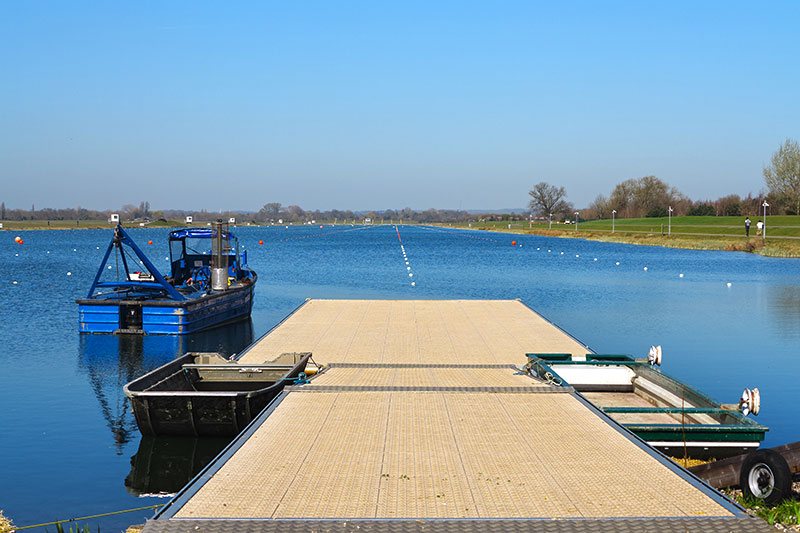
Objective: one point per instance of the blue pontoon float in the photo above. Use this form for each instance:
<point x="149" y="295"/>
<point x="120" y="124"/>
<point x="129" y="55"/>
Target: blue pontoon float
<point x="209" y="285"/>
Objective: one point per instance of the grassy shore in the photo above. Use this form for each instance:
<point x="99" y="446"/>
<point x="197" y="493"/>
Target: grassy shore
<point x="694" y="233"/>
<point x="26" y="225"/>
<point x="5" y="523"/>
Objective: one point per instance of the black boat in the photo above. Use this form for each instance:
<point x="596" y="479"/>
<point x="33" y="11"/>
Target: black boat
<point x="204" y="394"/>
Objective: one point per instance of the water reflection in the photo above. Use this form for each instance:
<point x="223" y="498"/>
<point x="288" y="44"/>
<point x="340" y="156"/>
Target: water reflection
<point x="111" y="361"/>
<point x="783" y="303"/>
<point x="164" y="465"/>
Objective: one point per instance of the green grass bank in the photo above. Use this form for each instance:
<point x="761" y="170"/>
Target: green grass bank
<point x="695" y="233"/>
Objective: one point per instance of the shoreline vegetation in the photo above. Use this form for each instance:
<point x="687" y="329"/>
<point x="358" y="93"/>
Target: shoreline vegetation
<point x="693" y="233"/>
<point x="717" y="233"/>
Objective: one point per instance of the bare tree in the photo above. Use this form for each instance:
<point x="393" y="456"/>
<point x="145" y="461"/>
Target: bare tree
<point x="783" y="173"/>
<point x="645" y="196"/>
<point x="600" y="208"/>
<point x="546" y="199"/>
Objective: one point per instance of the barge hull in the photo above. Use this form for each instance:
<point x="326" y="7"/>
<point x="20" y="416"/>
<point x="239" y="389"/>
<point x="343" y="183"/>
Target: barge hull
<point x="165" y="318"/>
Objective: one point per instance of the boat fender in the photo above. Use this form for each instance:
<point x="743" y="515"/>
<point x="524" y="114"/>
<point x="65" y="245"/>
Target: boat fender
<point x="654" y="355"/>
<point x="750" y="402"/>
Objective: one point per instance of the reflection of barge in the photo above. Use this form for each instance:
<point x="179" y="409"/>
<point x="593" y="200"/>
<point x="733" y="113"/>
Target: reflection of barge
<point x="203" y="394"/>
<point x="668" y="414"/>
<point x="209" y="285"/>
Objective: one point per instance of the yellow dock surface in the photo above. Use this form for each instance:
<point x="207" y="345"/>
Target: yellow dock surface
<point x="421" y="415"/>
<point x="415" y="331"/>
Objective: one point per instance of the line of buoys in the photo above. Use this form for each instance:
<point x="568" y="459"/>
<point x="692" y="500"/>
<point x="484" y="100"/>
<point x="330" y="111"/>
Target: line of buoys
<point x="18" y="240"/>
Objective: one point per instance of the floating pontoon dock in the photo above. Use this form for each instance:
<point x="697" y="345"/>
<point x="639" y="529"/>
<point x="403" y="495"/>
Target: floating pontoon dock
<point x="421" y="423"/>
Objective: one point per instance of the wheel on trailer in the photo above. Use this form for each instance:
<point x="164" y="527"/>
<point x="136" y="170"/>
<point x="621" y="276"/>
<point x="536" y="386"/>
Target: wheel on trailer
<point x="766" y="476"/>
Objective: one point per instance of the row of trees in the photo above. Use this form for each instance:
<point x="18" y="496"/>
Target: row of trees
<point x="272" y="212"/>
<point x="649" y="196"/>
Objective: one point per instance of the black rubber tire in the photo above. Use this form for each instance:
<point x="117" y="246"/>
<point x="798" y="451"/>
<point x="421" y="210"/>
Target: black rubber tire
<point x="766" y="476"/>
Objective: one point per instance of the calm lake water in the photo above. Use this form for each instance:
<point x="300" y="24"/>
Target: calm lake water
<point x="70" y="447"/>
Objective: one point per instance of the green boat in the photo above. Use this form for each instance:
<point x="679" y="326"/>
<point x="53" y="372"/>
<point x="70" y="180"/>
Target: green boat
<point x="670" y="415"/>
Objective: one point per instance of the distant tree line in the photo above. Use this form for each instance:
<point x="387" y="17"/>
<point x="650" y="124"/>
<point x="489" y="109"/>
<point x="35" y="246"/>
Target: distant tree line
<point x="649" y="196"/>
<point x="270" y="213"/>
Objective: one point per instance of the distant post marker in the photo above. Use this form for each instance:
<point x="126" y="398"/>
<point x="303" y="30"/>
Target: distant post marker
<point x="764" y="232"/>
<point x="613" y="212"/>
<point x="669" y="215"/>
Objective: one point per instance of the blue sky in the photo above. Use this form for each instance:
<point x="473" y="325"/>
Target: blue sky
<point x="375" y="105"/>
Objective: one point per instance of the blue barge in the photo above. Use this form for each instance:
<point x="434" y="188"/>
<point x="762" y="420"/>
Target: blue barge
<point x="209" y="285"/>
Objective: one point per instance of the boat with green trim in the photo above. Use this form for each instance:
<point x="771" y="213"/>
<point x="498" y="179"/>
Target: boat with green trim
<point x="670" y="415"/>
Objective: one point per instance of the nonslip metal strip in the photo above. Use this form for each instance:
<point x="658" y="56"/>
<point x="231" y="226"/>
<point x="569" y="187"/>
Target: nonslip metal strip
<point x="344" y="525"/>
<point x="391" y="388"/>
<point x="417" y="365"/>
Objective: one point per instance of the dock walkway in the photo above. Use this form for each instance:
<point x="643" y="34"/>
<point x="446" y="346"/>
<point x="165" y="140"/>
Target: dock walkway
<point x="420" y="422"/>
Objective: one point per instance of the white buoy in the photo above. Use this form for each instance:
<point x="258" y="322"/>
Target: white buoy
<point x="538" y="248"/>
<point x="109" y="267"/>
<point x="48" y="251"/>
<point x="408" y="268"/>
<point x="548" y="251"/>
<point x="577" y="255"/>
<point x="69" y="273"/>
<point x="617" y="263"/>
<point x="98" y="247"/>
<point x="410" y="275"/>
<point x="16" y="255"/>
<point x="595" y="259"/>
<point x="645" y="268"/>
<point x="14" y="282"/>
<point x="74" y="249"/>
<point x="413" y="283"/>
<point x="680" y="275"/>
<point x="729" y="284"/>
<point x="562" y="253"/>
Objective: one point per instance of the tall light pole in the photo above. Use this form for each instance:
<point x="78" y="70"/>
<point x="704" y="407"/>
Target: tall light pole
<point x="764" y="231"/>
<point x="551" y="221"/>
<point x="669" y="221"/>
<point x="613" y="212"/>
<point x="576" y="220"/>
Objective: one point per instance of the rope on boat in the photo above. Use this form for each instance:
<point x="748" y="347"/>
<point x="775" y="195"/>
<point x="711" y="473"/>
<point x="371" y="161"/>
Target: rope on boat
<point x="546" y="375"/>
<point x="14" y="528"/>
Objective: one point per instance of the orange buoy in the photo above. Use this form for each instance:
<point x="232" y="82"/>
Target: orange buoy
<point x="260" y="242"/>
<point x="17" y="239"/>
<point x="21" y="241"/>
<point x="320" y="227"/>
<point x="513" y="243"/>
<point x="149" y="242"/>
